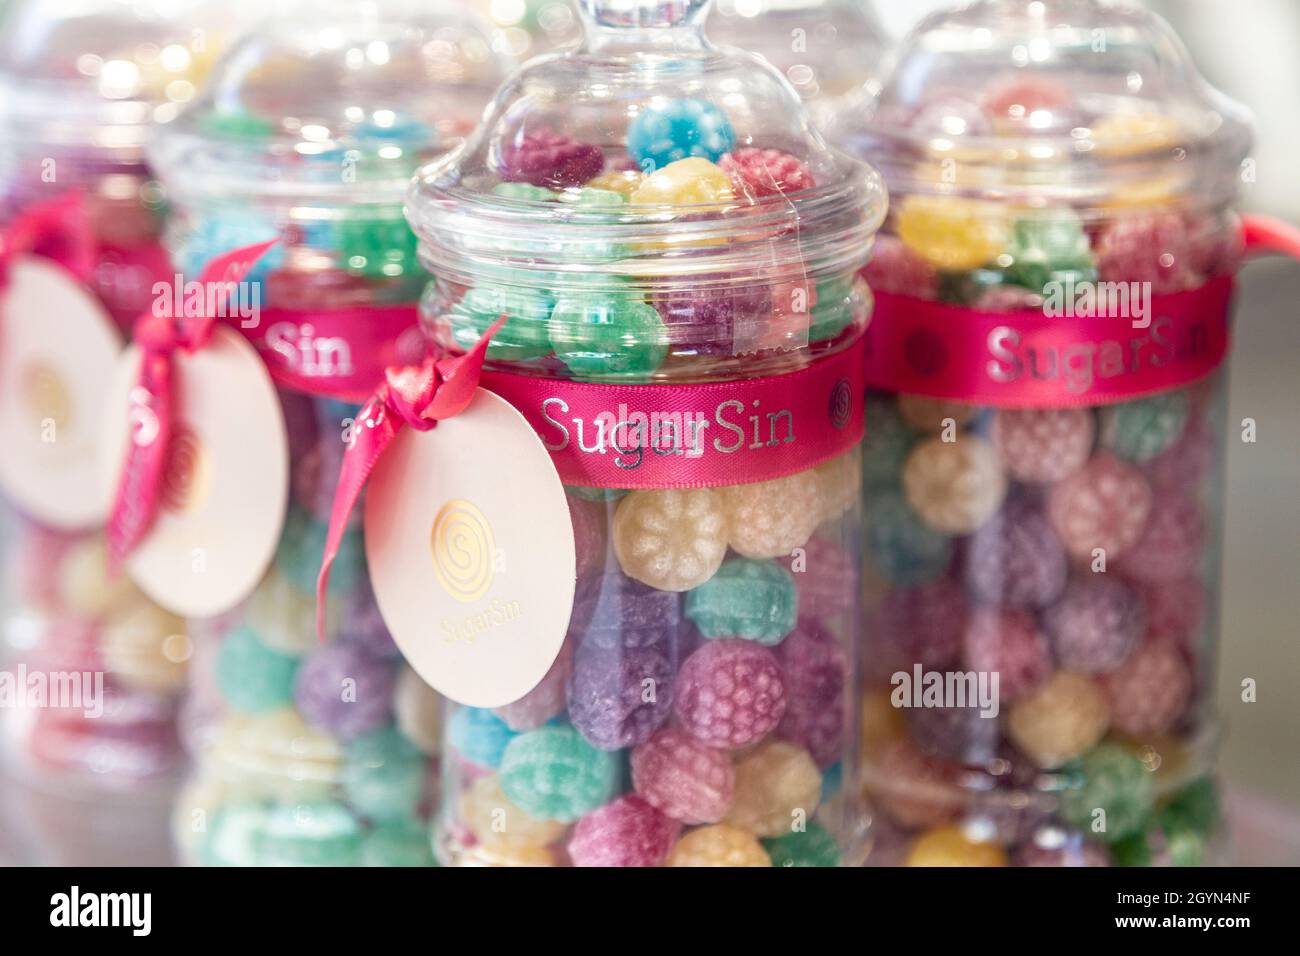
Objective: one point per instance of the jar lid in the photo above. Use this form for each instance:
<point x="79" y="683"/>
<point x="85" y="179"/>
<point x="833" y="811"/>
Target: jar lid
<point x="96" y="76"/>
<point x="644" y="154"/>
<point x="1054" y="100"/>
<point x="335" y="100"/>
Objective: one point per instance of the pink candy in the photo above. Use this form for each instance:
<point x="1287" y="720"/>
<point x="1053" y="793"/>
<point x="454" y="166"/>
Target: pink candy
<point x="730" y="693"/>
<point x="627" y="832"/>
<point x="1102" y="505"/>
<point x="1150" y="691"/>
<point x="1171" y="544"/>
<point x="1010" y="644"/>
<point x="765" y="172"/>
<point x="683" y="778"/>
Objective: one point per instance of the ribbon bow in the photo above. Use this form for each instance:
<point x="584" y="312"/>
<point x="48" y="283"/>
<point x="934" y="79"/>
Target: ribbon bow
<point x="416" y="395"/>
<point x="58" y="228"/>
<point x="160" y="335"/>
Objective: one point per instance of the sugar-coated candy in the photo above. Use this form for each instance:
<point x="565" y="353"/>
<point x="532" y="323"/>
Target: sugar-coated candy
<point x="497" y="822"/>
<point x="1095" y="625"/>
<point x="766" y="172"/>
<point x="1197" y="805"/>
<point x="1188" y="461"/>
<point x="1027" y="99"/>
<point x="841" y="481"/>
<point x="553" y="773"/>
<point x="682" y="777"/>
<point x="718" y="845"/>
<point x="1141" y="429"/>
<point x="1110" y="778"/>
<point x="923" y="624"/>
<point x="1149" y="691"/>
<point x="399" y="843"/>
<point x="687" y="182"/>
<point x="527" y="309"/>
<point x="839" y="302"/>
<point x="479" y="736"/>
<point x="954" y="486"/>
<point x="144" y="648"/>
<point x="825" y="577"/>
<point x="778" y="787"/>
<point x="954" y="846"/>
<point x="235" y="834"/>
<point x="884" y="447"/>
<point x="589" y="534"/>
<point x="1172" y="542"/>
<point x="219" y="232"/>
<point x="621" y="181"/>
<point x="383" y="775"/>
<point x="1150" y="248"/>
<point x="319" y="833"/>
<point x="952" y="234"/>
<point x="1017" y="559"/>
<point x="897" y="269"/>
<point x="1046" y="248"/>
<point x="815" y="669"/>
<point x="280" y="614"/>
<point x="913" y="789"/>
<point x="345" y="690"/>
<point x="672" y="539"/>
<point x="298" y="556"/>
<point x="545" y="701"/>
<point x="882" y="722"/>
<point x="543" y="157"/>
<point x="963" y="734"/>
<point x="1175" y="612"/>
<point x="1007" y="298"/>
<point x="618" y="698"/>
<point x="361" y="625"/>
<point x="1010" y="644"/>
<point x="280" y="752"/>
<point x="1162" y="842"/>
<point x="904" y="549"/>
<point x="713" y="318"/>
<point x="1059" y="720"/>
<point x="755" y="600"/>
<point x="812" y="846"/>
<point x="416" y="707"/>
<point x="930" y="416"/>
<point x="1054" y="846"/>
<point x="525" y="192"/>
<point x="253" y="677"/>
<point x="376" y="247"/>
<point x="667" y="131"/>
<point x="1044" y="445"/>
<point x="507" y="856"/>
<point x="616" y="612"/>
<point x="607" y="336"/>
<point x="1102" y="505"/>
<point x="948" y="113"/>
<point x="626" y="832"/>
<point x="730" y="693"/>
<point x="769" y="519"/>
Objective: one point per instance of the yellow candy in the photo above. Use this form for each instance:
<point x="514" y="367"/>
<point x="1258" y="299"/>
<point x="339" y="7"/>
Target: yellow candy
<point x="1060" y="720"/>
<point x="927" y="414"/>
<point x="718" y="845"/>
<point x="277" y="753"/>
<point x="623" y="181"/>
<point x="85" y="585"/>
<point x="881" y="722"/>
<point x="953" y="234"/>
<point x="841" y="479"/>
<point x="777" y="786"/>
<point x="499" y="824"/>
<point x="507" y="856"/>
<point x="418" y="711"/>
<point x="953" y="846"/>
<point x="146" y="648"/>
<point x="284" y="616"/>
<point x="954" y="486"/>
<point x="687" y="182"/>
<point x="1128" y="134"/>
<point x="671" y="539"/>
<point x="769" y="519"/>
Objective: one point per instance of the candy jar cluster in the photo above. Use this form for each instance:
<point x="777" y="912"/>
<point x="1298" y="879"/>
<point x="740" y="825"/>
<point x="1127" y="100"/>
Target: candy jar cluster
<point x="651" y="212"/>
<point x="83" y="89"/>
<point x="307" y="751"/>
<point x="1045" y="448"/>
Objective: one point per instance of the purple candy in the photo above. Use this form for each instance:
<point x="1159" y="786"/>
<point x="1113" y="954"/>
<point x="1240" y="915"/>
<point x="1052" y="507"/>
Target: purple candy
<point x="961" y="734"/>
<point x="345" y="691"/>
<point x="730" y="693"/>
<point x="619" y="698"/>
<point x="363" y="627"/>
<point x="923" y="624"/>
<point x="1095" y="625"/>
<point x="588" y="519"/>
<point x="814" y="669"/>
<point x="1016" y="560"/>
<point x="546" y="158"/>
<point x="618" y="612"/>
<point x="710" y="321"/>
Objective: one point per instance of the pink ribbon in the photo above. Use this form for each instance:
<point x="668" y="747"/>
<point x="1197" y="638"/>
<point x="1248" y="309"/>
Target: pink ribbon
<point x="151" y="401"/>
<point x="57" y="228"/>
<point x="1263" y="234"/>
<point x="416" y="395"/>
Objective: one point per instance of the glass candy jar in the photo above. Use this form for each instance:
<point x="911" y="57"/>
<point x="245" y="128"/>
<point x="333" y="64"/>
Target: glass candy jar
<point x="314" y="752"/>
<point x="1043" y="490"/>
<point x="662" y="227"/>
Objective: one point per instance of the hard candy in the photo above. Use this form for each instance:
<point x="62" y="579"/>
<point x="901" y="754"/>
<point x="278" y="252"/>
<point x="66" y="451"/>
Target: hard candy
<point x="930" y="416"/>
<point x="383" y="775"/>
<point x="319" y="833"/>
<point x="479" y="736"/>
<point x="952" y="234"/>
<point x="617" y="612"/>
<point x="416" y="708"/>
<point x="963" y="734"/>
<point x="755" y="600"/>
<point x="302" y="543"/>
<point x="1102" y="505"/>
<point x="884" y="447"/>
<point x="527" y="309"/>
<point x="1141" y="429"/>
<point x="1041" y="446"/>
<point x="589" y="534"/>
<point x="1095" y="625"/>
<point x="1057" y="847"/>
<point x="730" y="694"/>
<point x="496" y="822"/>
<point x="687" y="182"/>
<point x="553" y="773"/>
<point x="1017" y="559"/>
<point x="235" y="835"/>
<point x="626" y="832"/>
<point x="896" y="268"/>
<point x="1010" y="644"/>
<point x="671" y="539"/>
<point x="1147" y="248"/>
<point x="1149" y="691"/>
<point x="1172" y="544"/>
<point x="668" y="131"/>
<point x="769" y="519"/>
<point x="544" y="702"/>
<point x="759" y="173"/>
<point x="684" y="778"/>
<point x="814" y="667"/>
<point x="954" y="486"/>
<point x="403" y="843"/>
<point x="1059" y="720"/>
<point x="251" y="676"/>
<point x="813" y="846"/>
<point x="923" y="624"/>
<point x="826" y="578"/>
<point x="618" y="699"/>
<point x="1112" y="779"/>
<point x="954" y="846"/>
<point x="607" y="337"/>
<point x="543" y="157"/>
<point x="713" y="318"/>
<point x="145" y="649"/>
<point x="1049" y="248"/>
<point x="841" y="480"/>
<point x="778" y="788"/>
<point x="718" y="845"/>
<point x="345" y="690"/>
<point x="904" y="550"/>
<point x="913" y="789"/>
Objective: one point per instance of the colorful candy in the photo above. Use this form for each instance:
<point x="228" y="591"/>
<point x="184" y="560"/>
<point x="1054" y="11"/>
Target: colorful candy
<point x="1140" y="430"/>
<point x="673" y="540"/>
<point x="813" y="846"/>
<point x="755" y="600"/>
<point x="682" y="777"/>
<point x="1016" y="560"/>
<point x="730" y="694"/>
<point x="543" y="157"/>
<point x="665" y="132"/>
<point x="554" y="774"/>
<point x="954" y="846"/>
<point x="769" y="519"/>
<point x="345" y="690"/>
<point x="955" y="486"/>
<point x="778" y="787"/>
<point x="1060" y="720"/>
<point x="1113" y="796"/>
<point x="766" y="172"/>
<point x="718" y="845"/>
<point x="1149" y="691"/>
<point x="1095" y="625"/>
<point x="252" y="676"/>
<point x="1042" y="446"/>
<point x="626" y="832"/>
<point x="1104" y="505"/>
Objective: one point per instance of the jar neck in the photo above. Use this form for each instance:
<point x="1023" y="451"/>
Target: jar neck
<point x="646" y="26"/>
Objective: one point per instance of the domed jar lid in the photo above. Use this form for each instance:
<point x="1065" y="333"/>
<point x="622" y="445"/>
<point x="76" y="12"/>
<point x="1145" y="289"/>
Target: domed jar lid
<point x="1077" y="101"/>
<point x="332" y="102"/>
<point x="95" y="76"/>
<point x="643" y="206"/>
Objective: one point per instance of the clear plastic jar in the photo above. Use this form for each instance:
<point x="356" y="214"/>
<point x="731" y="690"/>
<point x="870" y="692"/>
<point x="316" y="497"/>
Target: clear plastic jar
<point x="649" y="210"/>
<point x="81" y="89"/>
<point x="309" y="132"/>
<point x="1045" y="452"/>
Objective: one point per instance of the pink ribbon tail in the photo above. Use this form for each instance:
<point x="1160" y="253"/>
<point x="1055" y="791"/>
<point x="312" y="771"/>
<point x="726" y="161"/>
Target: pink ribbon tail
<point x="419" y="396"/>
<point x="1264" y="234"/>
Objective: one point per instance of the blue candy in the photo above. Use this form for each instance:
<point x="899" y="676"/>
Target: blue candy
<point x="252" y="677"/>
<point x="664" y="132"/>
<point x="223" y="231"/>
<point x="383" y="775"/>
<point x="904" y="549"/>
<point x="479" y="735"/>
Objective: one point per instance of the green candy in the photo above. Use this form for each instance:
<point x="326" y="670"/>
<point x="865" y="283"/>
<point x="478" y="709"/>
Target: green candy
<point x="524" y="192"/>
<point x="1197" y="805"/>
<point x="884" y="447"/>
<point x="523" y="337"/>
<point x="903" y="548"/>
<point x="302" y="543"/>
<point x="752" y="599"/>
<point x="1049" y="249"/>
<point x="1165" y="842"/>
<point x="405" y="843"/>
<point x="383" y="775"/>
<point x="1142" y="429"/>
<point x="234" y="835"/>
<point x="967" y="288"/>
<point x="607" y="337"/>
<point x="813" y="847"/>
<point x="236" y="124"/>
<point x="252" y="677"/>
<point x="597" y="198"/>
<point x="377" y="248"/>
<point x="316" y="833"/>
<point x="553" y="774"/>
<point x="1110" y="778"/>
<point x="836" y="305"/>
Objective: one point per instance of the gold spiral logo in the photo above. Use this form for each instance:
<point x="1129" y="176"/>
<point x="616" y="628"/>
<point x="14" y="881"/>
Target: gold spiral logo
<point x="45" y="394"/>
<point x="184" y="476"/>
<point x="463" y="550"/>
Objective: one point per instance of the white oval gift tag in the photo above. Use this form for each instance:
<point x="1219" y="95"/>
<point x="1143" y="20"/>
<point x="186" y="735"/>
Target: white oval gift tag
<point x="226" y="484"/>
<point x="58" y="350"/>
<point x="471" y="553"/>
